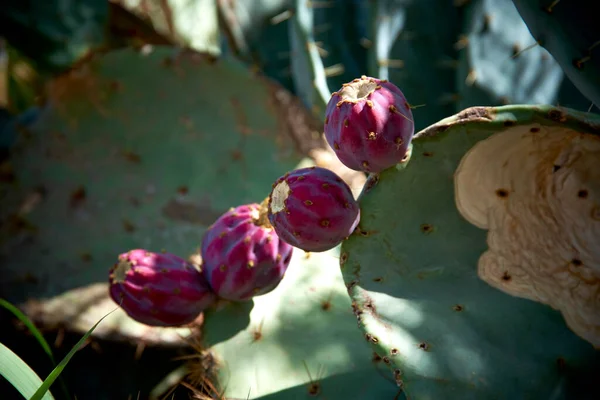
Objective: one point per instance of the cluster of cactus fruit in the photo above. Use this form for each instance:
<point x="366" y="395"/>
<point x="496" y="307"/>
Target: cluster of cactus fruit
<point x="247" y="250"/>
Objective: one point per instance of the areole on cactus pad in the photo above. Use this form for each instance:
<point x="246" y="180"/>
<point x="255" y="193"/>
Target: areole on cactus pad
<point x="495" y="207"/>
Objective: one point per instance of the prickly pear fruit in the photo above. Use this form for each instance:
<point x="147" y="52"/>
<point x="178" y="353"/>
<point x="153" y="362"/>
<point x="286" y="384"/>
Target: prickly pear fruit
<point x="369" y="124"/>
<point x="242" y="255"/>
<point x="313" y="209"/>
<point x="159" y="289"/>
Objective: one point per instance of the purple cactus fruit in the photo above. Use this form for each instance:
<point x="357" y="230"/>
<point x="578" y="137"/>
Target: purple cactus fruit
<point x="313" y="209"/>
<point x="242" y="255"/>
<point x="159" y="289"/>
<point x="369" y="124"/>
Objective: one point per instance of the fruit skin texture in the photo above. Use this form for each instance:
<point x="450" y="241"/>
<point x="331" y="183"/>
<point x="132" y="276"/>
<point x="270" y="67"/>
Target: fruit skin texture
<point x="242" y="255"/>
<point x="369" y="124"/>
<point x="313" y="209"/>
<point x="159" y="289"/>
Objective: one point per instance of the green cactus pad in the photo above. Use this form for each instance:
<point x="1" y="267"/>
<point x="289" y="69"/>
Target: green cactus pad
<point x="301" y="341"/>
<point x="500" y="63"/>
<point x="569" y="30"/>
<point x="54" y="33"/>
<point x="412" y="268"/>
<point x="139" y="150"/>
<point x="191" y="24"/>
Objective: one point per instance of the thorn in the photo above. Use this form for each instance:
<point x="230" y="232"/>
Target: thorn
<point x="591" y="106"/>
<point x="594" y="45"/>
<point x="322" y="52"/>
<point x="531" y="46"/>
<point x="463" y="41"/>
<point x="366" y="43"/>
<point x="279" y="18"/>
<point x="471" y="77"/>
<point x="391" y="63"/>
<point x="139" y="350"/>
<point x="550" y="8"/>
<point x="578" y="63"/>
<point x="334" y="70"/>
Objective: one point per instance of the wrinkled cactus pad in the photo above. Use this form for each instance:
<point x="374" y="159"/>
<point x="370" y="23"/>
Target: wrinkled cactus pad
<point x="312" y="209"/>
<point x="242" y="255"/>
<point x="159" y="289"/>
<point x="484" y="283"/>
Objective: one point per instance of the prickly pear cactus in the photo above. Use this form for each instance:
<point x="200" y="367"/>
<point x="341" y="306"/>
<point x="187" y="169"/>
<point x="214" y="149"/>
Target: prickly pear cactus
<point x="178" y="20"/>
<point x="480" y="54"/>
<point x="299" y="342"/>
<point x="54" y="33"/>
<point x="569" y="31"/>
<point x="138" y="150"/>
<point x="475" y="266"/>
<point x="499" y="61"/>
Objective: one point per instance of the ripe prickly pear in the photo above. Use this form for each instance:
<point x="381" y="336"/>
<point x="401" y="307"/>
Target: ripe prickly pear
<point x="159" y="289"/>
<point x="369" y="124"/>
<point x="243" y="256"/>
<point x="313" y="209"/>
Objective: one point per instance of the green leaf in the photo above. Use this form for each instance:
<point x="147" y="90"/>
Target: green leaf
<point x="19" y="374"/>
<point x="41" y="392"/>
<point x="54" y="33"/>
<point x="27" y="322"/>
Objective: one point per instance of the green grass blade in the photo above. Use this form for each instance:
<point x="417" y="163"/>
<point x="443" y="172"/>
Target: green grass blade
<point x="20" y="375"/>
<point x="39" y="394"/>
<point x="27" y="322"/>
<point x="37" y="334"/>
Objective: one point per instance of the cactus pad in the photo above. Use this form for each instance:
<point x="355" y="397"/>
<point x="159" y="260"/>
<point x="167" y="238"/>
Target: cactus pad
<point x="496" y="207"/>
<point x="138" y="150"/>
<point x="301" y="341"/>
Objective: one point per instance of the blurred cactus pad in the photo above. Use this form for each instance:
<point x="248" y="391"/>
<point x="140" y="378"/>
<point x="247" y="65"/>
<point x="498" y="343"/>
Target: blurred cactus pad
<point x="139" y="149"/>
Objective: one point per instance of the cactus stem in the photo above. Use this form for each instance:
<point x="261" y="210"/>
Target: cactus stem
<point x="262" y="216"/>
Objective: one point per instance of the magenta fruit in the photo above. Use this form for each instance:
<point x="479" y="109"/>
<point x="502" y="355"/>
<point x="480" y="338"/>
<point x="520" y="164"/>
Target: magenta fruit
<point x="369" y="124"/>
<point x="243" y="256"/>
<point x="159" y="289"/>
<point x="313" y="209"/>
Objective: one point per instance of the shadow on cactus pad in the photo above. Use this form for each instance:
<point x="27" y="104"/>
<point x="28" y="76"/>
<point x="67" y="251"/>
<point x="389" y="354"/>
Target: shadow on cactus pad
<point x="301" y="342"/>
<point x="139" y="149"/>
<point x="495" y="208"/>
